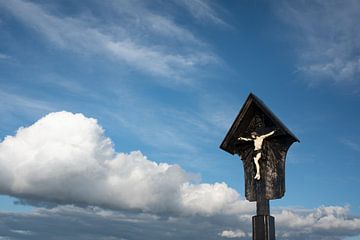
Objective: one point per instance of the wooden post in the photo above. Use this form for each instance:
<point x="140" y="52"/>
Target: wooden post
<point x="263" y="224"/>
<point x="263" y="227"/>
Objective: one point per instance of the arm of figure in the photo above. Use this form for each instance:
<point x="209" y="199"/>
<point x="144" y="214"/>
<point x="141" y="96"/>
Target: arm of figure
<point x="244" y="139"/>
<point x="269" y="134"/>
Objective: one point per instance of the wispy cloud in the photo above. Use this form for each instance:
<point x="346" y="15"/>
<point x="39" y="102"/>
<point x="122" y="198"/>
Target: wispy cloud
<point x="351" y="144"/>
<point x="66" y="85"/>
<point x="14" y="102"/>
<point x="134" y="36"/>
<point x="22" y="232"/>
<point x="4" y="56"/>
<point x="173" y="130"/>
<point x="15" y="106"/>
<point x="203" y="11"/>
<point x="326" y="38"/>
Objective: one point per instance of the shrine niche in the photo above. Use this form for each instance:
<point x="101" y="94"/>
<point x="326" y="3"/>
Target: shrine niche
<point x="262" y="141"/>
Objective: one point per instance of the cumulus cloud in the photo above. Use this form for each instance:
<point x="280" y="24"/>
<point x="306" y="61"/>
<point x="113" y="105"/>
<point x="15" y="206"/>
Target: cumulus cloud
<point x="327" y="39"/>
<point x="331" y="222"/>
<point x="66" y="158"/>
<point x="208" y="199"/>
<point x="131" y="34"/>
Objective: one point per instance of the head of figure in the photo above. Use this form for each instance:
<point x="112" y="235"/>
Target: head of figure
<point x="254" y="135"/>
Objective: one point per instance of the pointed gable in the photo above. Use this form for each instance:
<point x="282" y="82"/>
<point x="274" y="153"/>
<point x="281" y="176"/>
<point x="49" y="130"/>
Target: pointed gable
<point x="246" y="121"/>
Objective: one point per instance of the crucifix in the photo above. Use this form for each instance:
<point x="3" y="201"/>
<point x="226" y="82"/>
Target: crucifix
<point x="262" y="141"/>
<point x="258" y="141"/>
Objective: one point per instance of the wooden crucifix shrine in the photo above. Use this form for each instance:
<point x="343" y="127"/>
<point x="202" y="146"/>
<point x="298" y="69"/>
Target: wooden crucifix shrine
<point x="262" y="141"/>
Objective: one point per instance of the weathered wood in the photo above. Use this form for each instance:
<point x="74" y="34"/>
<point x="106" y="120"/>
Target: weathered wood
<point x="254" y="116"/>
<point x="263" y="227"/>
<point x="262" y="141"/>
<point x="262" y="204"/>
<point x="240" y="126"/>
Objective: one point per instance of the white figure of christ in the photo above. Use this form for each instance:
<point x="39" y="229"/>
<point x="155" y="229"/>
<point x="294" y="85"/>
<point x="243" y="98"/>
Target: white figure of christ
<point x="258" y="141"/>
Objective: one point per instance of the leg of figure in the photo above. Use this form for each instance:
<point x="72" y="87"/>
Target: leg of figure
<point x="256" y="161"/>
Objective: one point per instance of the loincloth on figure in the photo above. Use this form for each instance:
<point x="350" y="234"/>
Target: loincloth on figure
<point x="255" y="152"/>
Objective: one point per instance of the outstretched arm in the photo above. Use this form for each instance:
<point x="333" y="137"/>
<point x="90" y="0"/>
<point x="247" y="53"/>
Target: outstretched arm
<point x="268" y="134"/>
<point x="245" y="139"/>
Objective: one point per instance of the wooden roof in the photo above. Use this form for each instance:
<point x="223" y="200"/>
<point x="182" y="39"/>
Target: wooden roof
<point x="239" y="127"/>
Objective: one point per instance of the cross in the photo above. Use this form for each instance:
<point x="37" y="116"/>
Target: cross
<point x="258" y="141"/>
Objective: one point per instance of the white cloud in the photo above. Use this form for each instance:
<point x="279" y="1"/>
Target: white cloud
<point x="135" y="36"/>
<point x="233" y="234"/>
<point x="65" y="158"/>
<point x="143" y="20"/>
<point x="22" y="232"/>
<point x="327" y="39"/>
<point x="203" y="11"/>
<point x="331" y="222"/>
<point x="324" y="223"/>
<point x="206" y="199"/>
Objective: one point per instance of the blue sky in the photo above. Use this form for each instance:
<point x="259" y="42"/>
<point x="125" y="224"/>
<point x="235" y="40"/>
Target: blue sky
<point x="167" y="79"/>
